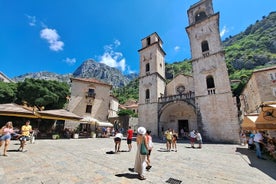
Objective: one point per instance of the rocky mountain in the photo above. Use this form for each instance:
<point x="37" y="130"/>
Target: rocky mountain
<point x="44" y="75"/>
<point x="102" y="72"/>
<point x="88" y="69"/>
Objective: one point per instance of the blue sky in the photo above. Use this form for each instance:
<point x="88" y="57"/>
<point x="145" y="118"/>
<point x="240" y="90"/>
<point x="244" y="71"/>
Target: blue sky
<point x="59" y="35"/>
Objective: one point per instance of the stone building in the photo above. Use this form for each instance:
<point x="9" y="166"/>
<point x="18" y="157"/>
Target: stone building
<point x="202" y="101"/>
<point x="261" y="87"/>
<point x="92" y="98"/>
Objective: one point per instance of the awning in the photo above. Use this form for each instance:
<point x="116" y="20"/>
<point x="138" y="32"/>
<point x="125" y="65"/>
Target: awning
<point x="58" y="114"/>
<point x="12" y="109"/>
<point x="249" y="122"/>
<point x="104" y="124"/>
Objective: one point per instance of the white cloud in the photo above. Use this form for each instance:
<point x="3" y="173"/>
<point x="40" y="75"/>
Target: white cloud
<point x="32" y="20"/>
<point x="70" y="61"/>
<point x="130" y="71"/>
<point x="176" y="48"/>
<point x="223" y="31"/>
<point x="112" y="58"/>
<point x="52" y="38"/>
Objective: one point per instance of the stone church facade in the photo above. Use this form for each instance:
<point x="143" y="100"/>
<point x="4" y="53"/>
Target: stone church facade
<point x="202" y="101"/>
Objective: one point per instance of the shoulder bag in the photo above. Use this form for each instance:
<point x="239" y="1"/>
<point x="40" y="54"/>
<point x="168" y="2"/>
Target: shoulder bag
<point x="143" y="149"/>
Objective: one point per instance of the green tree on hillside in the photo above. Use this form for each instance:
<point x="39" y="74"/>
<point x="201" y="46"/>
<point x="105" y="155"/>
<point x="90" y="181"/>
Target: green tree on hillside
<point x="50" y="94"/>
<point x="7" y="92"/>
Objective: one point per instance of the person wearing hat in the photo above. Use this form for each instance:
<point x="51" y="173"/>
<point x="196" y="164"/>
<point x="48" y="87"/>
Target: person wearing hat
<point x="140" y="160"/>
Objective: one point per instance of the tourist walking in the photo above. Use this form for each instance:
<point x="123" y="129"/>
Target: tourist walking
<point x="6" y="132"/>
<point x="168" y="136"/>
<point x="150" y="146"/>
<point x="129" y="138"/>
<point x="199" y="139"/>
<point x="258" y="140"/>
<point x="192" y="138"/>
<point x="140" y="160"/>
<point x="174" y="141"/>
<point x="25" y="132"/>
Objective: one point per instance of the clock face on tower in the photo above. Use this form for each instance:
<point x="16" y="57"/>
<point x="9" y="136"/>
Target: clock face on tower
<point x="180" y="89"/>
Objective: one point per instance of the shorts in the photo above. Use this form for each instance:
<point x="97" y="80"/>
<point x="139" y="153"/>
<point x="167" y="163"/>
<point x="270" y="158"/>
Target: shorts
<point x="5" y="137"/>
<point x="117" y="139"/>
<point x="192" y="139"/>
<point x="199" y="141"/>
<point x="149" y="151"/>
<point x="24" y="138"/>
<point x="129" y="141"/>
<point x="169" y="141"/>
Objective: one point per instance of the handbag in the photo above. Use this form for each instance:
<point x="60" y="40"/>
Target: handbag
<point x="143" y="149"/>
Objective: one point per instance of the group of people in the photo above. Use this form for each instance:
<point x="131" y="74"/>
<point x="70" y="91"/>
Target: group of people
<point x="260" y="142"/>
<point x="171" y="140"/>
<point x="7" y="132"/>
<point x="195" y="136"/>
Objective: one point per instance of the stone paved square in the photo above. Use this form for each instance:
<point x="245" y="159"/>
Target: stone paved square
<point x="84" y="161"/>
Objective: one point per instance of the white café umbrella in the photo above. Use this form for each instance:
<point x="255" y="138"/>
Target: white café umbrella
<point x="89" y="120"/>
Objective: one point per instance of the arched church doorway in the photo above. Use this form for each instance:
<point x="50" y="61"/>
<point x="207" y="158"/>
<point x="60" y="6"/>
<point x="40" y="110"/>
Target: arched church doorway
<point x="177" y="115"/>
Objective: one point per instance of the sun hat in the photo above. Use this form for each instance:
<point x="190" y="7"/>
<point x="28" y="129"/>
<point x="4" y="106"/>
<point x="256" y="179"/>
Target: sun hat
<point x="141" y="130"/>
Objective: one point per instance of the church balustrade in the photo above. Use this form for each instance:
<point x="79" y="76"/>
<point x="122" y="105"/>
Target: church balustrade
<point x="178" y="97"/>
<point x="211" y="91"/>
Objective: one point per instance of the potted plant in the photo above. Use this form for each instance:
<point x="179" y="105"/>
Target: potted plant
<point x="76" y="132"/>
<point x="55" y="136"/>
<point x="93" y="135"/>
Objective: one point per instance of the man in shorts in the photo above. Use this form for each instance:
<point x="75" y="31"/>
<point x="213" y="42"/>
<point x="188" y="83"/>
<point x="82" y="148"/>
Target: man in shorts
<point x="25" y="132"/>
<point x="129" y="138"/>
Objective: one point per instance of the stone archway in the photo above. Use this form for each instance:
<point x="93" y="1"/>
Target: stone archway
<point x="176" y="114"/>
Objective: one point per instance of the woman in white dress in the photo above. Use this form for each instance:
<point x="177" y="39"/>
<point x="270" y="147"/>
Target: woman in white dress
<point x="140" y="160"/>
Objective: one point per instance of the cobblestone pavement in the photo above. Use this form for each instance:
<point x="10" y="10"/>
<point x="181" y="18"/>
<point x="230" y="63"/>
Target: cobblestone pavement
<point x="84" y="161"/>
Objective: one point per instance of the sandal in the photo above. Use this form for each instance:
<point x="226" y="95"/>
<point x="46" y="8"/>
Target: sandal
<point x="141" y="177"/>
<point x="148" y="167"/>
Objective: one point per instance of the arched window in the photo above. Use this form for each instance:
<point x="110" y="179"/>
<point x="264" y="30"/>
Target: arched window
<point x="200" y="16"/>
<point x="147" y="100"/>
<point x="210" y="85"/>
<point x="147" y="67"/>
<point x="147" y="93"/>
<point x="210" y="82"/>
<point x="204" y="46"/>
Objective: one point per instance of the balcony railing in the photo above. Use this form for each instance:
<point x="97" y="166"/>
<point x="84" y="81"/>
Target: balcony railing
<point x="211" y="91"/>
<point x="183" y="96"/>
<point x="90" y="95"/>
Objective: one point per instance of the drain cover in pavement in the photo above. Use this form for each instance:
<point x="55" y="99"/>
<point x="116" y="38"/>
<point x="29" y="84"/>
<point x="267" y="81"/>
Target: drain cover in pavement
<point x="173" y="181"/>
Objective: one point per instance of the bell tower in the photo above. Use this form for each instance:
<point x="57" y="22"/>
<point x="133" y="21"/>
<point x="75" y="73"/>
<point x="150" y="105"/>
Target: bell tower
<point x="213" y="95"/>
<point x="151" y="81"/>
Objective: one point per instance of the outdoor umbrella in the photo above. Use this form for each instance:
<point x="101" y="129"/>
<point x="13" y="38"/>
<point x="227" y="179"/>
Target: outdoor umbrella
<point x="267" y="117"/>
<point x="248" y="122"/>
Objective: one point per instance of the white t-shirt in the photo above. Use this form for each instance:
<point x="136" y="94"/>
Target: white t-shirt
<point x="119" y="135"/>
<point x="198" y="136"/>
<point x="258" y="137"/>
